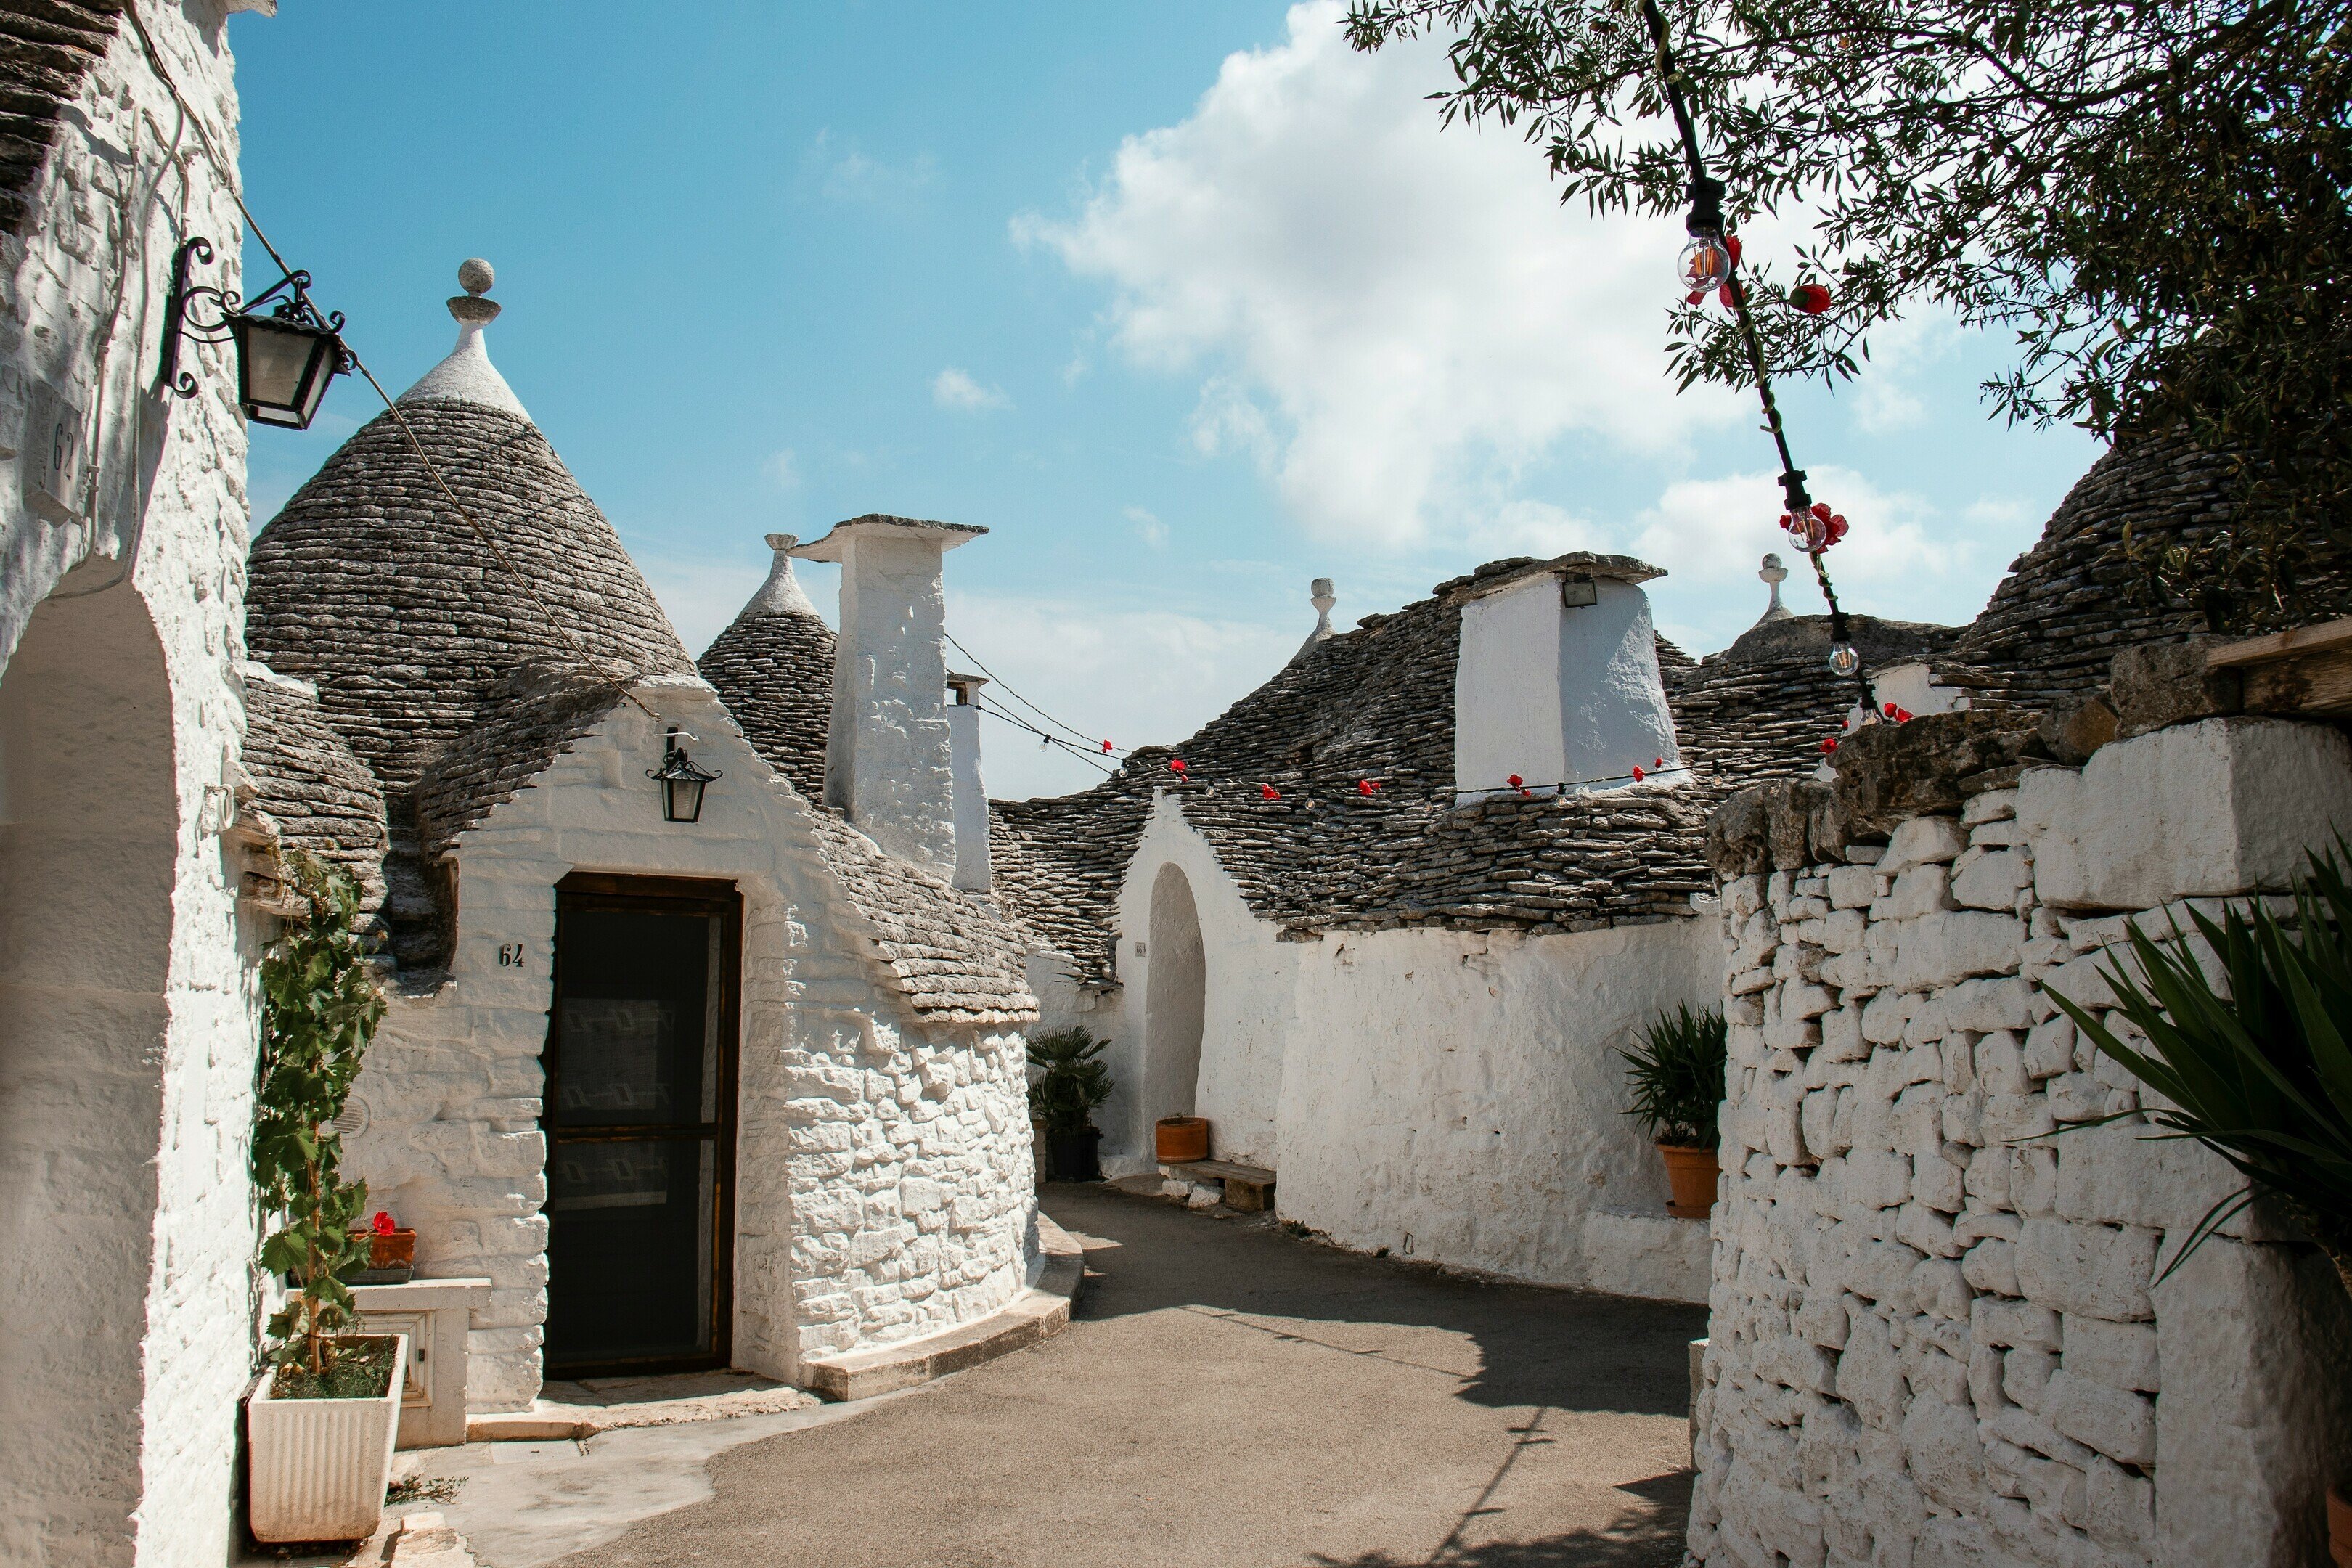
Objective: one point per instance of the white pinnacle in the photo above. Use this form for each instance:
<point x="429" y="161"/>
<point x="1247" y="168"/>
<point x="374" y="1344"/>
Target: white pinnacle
<point x="468" y="375"/>
<point x="781" y="594"/>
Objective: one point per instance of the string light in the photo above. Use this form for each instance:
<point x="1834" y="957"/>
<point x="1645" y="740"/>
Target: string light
<point x="1709" y="243"/>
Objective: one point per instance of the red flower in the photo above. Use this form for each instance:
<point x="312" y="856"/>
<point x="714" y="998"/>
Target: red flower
<point x="1176" y="764"/>
<point x="1829" y="744"/>
<point x="1724" y="296"/>
<point x="1365" y="786"/>
<point x="1694" y="296"/>
<point x="382" y="1225"/>
<point x="1809" y="298"/>
<point x="1514" y="781"/>
<point x="1890" y="711"/>
<point x="1106" y="748"/>
<point x="1731" y="247"/>
<point x="1657" y="762"/>
<point x="1837" y="528"/>
<point x="1269" y="792"/>
<point x="1903" y="715"/>
<point x="1637" y="772"/>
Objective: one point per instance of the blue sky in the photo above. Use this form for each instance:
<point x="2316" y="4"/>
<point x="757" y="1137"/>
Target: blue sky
<point x="1186" y="303"/>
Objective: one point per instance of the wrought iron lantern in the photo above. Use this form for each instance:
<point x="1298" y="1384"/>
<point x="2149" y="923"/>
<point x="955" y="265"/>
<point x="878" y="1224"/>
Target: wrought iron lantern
<point x="682" y="781"/>
<point x="284" y="358"/>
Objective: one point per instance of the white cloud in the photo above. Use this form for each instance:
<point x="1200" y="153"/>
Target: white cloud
<point x="1147" y="527"/>
<point x="783" y="470"/>
<point x="841" y="172"/>
<point x="1387" y="316"/>
<point x="1900" y="559"/>
<point x="951" y="388"/>
<point x="1131" y="675"/>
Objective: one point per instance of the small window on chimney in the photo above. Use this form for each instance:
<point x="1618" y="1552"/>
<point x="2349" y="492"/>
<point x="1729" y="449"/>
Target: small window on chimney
<point x="1578" y="593"/>
<point x="961" y="694"/>
<point x="1139" y="950"/>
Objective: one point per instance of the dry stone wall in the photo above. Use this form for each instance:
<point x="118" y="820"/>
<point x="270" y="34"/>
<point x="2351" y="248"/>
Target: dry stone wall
<point x="1938" y="1336"/>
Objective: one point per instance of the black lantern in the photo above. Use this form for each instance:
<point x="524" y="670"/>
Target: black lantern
<point x="284" y="359"/>
<point x="682" y="782"/>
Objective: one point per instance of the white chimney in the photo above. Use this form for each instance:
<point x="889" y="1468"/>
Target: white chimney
<point x="973" y="870"/>
<point x="1558" y="681"/>
<point x="1319" y="595"/>
<point x="888" y="756"/>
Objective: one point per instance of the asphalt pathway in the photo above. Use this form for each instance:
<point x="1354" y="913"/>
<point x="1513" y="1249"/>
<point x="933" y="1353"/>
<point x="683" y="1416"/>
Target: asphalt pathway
<point x="1232" y="1396"/>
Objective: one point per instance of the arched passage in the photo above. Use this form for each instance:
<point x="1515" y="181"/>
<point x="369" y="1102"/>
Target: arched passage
<point x="88" y="828"/>
<point x="1175" y="999"/>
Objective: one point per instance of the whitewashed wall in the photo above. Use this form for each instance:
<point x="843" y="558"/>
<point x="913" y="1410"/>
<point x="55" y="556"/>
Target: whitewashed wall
<point x="883" y="1170"/>
<point x="1936" y="1339"/>
<point x="1245" y="1023"/>
<point x="127" y="1012"/>
<point x="1452" y="1096"/>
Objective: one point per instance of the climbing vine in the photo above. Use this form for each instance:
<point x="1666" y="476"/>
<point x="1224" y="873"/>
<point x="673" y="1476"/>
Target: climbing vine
<point x="320" y="1007"/>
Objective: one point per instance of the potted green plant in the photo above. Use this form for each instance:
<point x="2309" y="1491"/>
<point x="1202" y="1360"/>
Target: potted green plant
<point x="1062" y="1101"/>
<point x="1676" y="1074"/>
<point x="320" y="1425"/>
<point x="2258" y="1070"/>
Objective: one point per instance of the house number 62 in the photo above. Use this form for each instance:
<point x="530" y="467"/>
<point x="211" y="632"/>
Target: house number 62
<point x="510" y="955"/>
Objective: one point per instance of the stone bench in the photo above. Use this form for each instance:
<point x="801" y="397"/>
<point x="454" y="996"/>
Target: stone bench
<point x="1248" y="1188"/>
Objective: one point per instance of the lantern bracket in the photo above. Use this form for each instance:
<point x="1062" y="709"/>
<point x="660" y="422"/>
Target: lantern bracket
<point x="186" y="314"/>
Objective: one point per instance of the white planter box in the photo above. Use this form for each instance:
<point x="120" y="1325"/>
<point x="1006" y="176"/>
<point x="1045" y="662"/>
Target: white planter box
<point x="316" y="1469"/>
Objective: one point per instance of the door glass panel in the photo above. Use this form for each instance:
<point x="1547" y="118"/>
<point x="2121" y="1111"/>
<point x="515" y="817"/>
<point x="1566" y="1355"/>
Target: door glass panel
<point x="636" y="1081"/>
<point x="629" y="1245"/>
<point x="637" y="1020"/>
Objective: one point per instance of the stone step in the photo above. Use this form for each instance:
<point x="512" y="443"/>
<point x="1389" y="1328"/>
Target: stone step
<point x="1248" y="1188"/>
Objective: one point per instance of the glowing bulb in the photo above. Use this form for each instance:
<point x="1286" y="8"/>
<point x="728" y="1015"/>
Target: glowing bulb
<point x="1843" y="659"/>
<point x="1706" y="265"/>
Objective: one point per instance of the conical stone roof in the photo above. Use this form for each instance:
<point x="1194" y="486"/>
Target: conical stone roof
<point x="370" y="585"/>
<point x="774" y="667"/>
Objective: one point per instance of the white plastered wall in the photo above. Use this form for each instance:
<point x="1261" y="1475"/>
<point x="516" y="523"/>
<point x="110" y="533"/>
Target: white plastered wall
<point x="1452" y="1096"/>
<point x="883" y="1167"/>
<point x="127" y="1011"/>
<point x="1244" y="1022"/>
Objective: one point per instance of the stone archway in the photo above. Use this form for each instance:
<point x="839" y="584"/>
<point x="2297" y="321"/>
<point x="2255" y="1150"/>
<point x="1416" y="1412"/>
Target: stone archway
<point x="89" y="831"/>
<point x="1175" y="999"/>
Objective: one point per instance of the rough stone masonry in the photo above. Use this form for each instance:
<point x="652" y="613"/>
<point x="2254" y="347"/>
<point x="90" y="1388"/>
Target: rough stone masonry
<point x="1938" y="1332"/>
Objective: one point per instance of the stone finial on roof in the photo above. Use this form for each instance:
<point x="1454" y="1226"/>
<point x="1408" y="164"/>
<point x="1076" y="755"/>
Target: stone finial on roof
<point x="1322" y="598"/>
<point x="468" y="375"/>
<point x="1773" y="575"/>
<point x="782" y="594"/>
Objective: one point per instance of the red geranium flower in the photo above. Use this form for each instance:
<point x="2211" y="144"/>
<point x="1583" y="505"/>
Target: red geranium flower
<point x="1829" y="744"/>
<point x="1268" y="791"/>
<point x="1809" y="298"/>
<point x="1175" y="764"/>
<point x="1365" y="786"/>
<point x="382" y="1225"/>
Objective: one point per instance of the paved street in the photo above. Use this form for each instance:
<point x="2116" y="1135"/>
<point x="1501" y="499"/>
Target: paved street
<point x="1232" y="1396"/>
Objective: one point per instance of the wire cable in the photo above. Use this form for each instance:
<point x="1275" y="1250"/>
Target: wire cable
<point x="1068" y="729"/>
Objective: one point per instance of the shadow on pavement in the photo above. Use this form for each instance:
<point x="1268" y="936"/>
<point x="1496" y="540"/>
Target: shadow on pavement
<point x="1537" y="1345"/>
<point x="1640" y="1537"/>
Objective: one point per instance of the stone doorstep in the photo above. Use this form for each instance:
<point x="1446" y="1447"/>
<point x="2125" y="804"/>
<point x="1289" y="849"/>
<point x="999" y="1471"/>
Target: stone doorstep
<point x="1248" y="1189"/>
<point x="1041" y="1311"/>
<point x="412" y="1540"/>
<point x="1038" y="1313"/>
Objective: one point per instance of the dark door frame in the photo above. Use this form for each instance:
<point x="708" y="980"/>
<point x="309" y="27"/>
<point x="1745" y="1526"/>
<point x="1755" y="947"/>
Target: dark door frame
<point x="683" y="896"/>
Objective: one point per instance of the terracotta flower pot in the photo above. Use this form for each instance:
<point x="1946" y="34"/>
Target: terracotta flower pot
<point x="396" y="1250"/>
<point x="1690" y="1173"/>
<point x="2339" y="1527"/>
<point x="1181" y="1138"/>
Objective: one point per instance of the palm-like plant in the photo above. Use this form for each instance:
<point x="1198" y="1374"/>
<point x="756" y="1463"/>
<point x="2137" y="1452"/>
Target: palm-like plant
<point x="1075" y="1081"/>
<point x="1676" y="1073"/>
<point x="2261" y="1071"/>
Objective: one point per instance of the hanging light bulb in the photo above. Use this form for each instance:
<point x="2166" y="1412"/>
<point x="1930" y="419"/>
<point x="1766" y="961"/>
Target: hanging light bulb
<point x="1843" y="658"/>
<point x="1706" y="265"/>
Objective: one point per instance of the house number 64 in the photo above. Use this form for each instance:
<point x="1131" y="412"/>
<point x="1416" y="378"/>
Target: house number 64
<point x="510" y="955"/>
